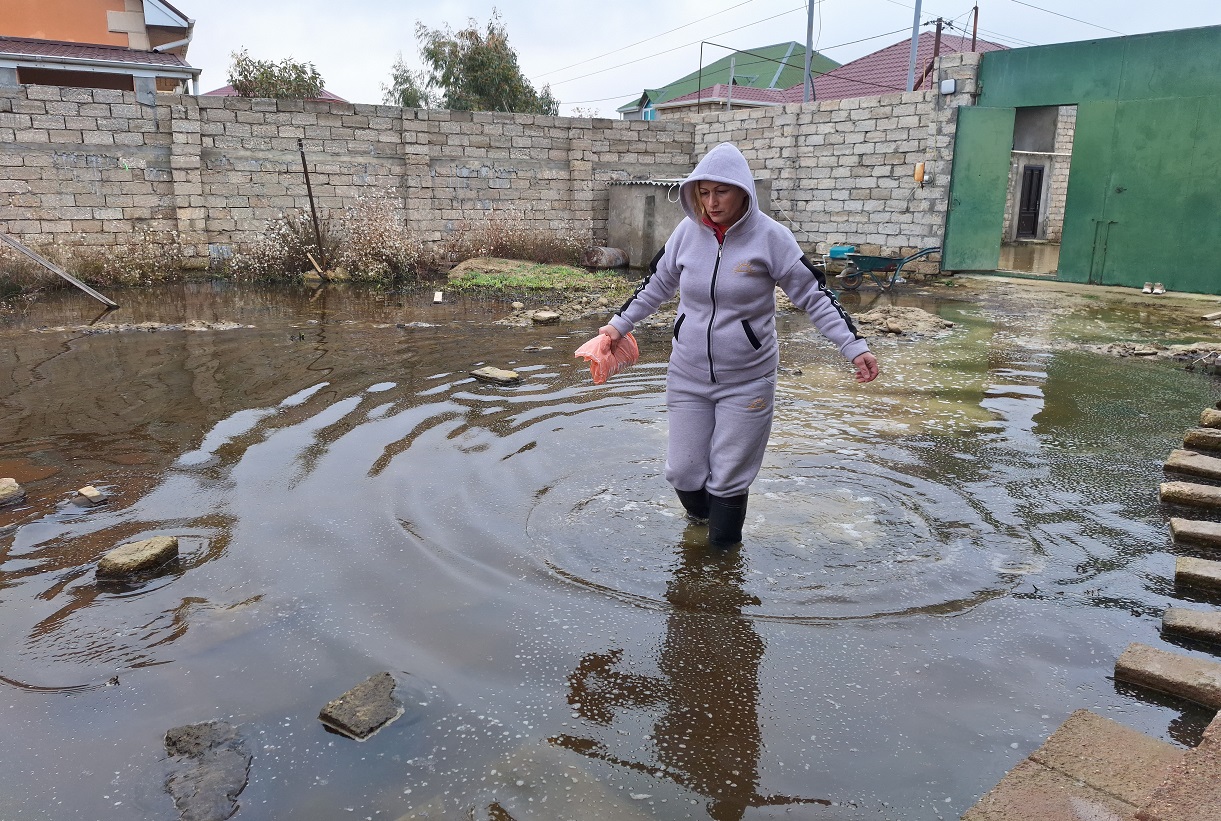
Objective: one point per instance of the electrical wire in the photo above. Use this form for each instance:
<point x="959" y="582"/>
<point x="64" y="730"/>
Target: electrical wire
<point x="1066" y="17"/>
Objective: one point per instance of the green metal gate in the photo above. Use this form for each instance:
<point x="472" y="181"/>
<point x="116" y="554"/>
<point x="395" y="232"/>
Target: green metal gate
<point x="978" y="186"/>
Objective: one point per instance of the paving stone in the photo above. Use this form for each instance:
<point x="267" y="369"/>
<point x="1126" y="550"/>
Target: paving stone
<point x="1195" y="464"/>
<point x="1202" y="439"/>
<point x="1195" y="531"/>
<point x="1187" y="677"/>
<point x="1190" y="494"/>
<point x="135" y="557"/>
<point x="498" y="376"/>
<point x="1032" y="791"/>
<point x="1195" y="624"/>
<point x="1202" y="573"/>
<point x="1108" y="756"/>
<point x="1192" y="792"/>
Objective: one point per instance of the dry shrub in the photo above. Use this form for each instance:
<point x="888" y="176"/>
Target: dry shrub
<point x="148" y="257"/>
<point x="510" y="234"/>
<point x="19" y="274"/>
<point x="369" y="240"/>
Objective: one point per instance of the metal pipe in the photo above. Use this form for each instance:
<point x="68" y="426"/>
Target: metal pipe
<point x="808" y="81"/>
<point x="729" y="94"/>
<point x="911" y="63"/>
<point x="55" y="269"/>
<point x="974" y="26"/>
<point x="313" y="211"/>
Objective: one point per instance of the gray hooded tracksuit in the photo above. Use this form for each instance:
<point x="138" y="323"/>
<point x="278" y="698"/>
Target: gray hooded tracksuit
<point x="722" y="375"/>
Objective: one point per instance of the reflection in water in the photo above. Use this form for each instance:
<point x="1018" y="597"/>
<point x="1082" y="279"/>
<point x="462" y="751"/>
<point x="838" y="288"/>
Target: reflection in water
<point x="706" y="736"/>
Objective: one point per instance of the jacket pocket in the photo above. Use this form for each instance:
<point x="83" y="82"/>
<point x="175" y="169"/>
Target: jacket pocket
<point x="678" y="324"/>
<point x="750" y="335"/>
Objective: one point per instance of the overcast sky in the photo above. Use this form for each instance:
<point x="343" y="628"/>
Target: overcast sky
<point x="596" y="56"/>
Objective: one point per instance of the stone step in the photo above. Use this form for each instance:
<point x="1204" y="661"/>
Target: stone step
<point x="1190" y="494"/>
<point x="1192" y="790"/>
<point x="1210" y="418"/>
<point x="1195" y="464"/>
<point x="1202" y="625"/>
<point x="1202" y="439"/>
<point x="1194" y="679"/>
<point x="1091" y="767"/>
<point x="1201" y="573"/>
<point x="1195" y="531"/>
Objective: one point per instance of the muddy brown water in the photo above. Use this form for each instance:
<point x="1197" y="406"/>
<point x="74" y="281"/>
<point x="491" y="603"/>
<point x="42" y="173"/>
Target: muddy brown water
<point x="939" y="567"/>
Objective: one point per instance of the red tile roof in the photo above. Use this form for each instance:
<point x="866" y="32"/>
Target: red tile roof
<point x="719" y="92"/>
<point x="885" y="71"/>
<point x="230" y="91"/>
<point x="29" y="47"/>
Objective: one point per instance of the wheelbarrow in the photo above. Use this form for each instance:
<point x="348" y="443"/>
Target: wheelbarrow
<point x="883" y="270"/>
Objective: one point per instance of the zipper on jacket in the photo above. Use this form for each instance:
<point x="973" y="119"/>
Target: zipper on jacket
<point x="712" y="319"/>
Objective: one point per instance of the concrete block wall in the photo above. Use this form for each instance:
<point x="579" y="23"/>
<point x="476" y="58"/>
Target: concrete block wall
<point x="1066" y="128"/>
<point x="98" y="167"/>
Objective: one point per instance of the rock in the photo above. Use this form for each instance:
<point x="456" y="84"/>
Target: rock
<point x="1210" y="418"/>
<point x="1199" y="573"/>
<point x="1202" y="439"/>
<point x="1195" y="464"/>
<point x="91" y="495"/>
<point x="899" y="320"/>
<point x="893" y="327"/>
<point x="1194" y="531"/>
<point x="517" y="306"/>
<point x="1195" y="624"/>
<point x="545" y="317"/>
<point x="497" y="376"/>
<point x="10" y="492"/>
<point x="1187" y="677"/>
<point x="1190" y="494"/>
<point x="134" y="557"/>
<point x="365" y="709"/>
<point x="601" y="257"/>
<point x="211" y="769"/>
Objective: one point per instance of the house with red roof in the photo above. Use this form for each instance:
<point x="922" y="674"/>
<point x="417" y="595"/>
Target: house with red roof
<point x="230" y="91"/>
<point x="129" y="45"/>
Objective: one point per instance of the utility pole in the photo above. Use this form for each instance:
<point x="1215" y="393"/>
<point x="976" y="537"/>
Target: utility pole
<point x="729" y="94"/>
<point x="911" y="63"/>
<point x="808" y="89"/>
<point x="974" y="25"/>
<point x="937" y="41"/>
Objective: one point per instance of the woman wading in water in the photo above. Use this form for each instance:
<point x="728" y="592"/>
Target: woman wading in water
<point x="725" y="261"/>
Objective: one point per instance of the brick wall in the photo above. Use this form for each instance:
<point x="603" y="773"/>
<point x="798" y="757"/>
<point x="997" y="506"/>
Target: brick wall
<point x="97" y="167"/>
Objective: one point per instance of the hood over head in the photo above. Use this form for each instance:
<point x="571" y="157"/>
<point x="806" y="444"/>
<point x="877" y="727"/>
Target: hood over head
<point x="724" y="163"/>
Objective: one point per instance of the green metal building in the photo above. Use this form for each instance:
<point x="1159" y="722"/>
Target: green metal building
<point x="1144" y="187"/>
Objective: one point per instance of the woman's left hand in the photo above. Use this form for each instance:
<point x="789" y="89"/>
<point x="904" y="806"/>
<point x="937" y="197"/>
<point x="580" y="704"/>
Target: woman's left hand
<point x="866" y="367"/>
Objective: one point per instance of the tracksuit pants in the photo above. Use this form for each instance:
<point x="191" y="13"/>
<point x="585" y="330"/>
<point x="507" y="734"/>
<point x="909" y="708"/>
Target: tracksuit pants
<point x="718" y="433"/>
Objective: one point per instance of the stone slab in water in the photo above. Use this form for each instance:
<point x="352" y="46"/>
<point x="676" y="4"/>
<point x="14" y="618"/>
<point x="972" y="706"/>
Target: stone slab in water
<point x="1195" y="464"/>
<point x="90" y="495"/>
<point x="210" y="768"/>
<point x="1194" y="531"/>
<point x="545" y="317"/>
<point x="10" y="492"/>
<point x="1190" y="494"/>
<point x="1194" y="572"/>
<point x="1210" y="418"/>
<point x="1204" y="625"/>
<point x="365" y="709"/>
<point x="1190" y="678"/>
<point x="135" y="557"/>
<point x="1202" y="439"/>
<point x="498" y="376"/>
<point x="1192" y="790"/>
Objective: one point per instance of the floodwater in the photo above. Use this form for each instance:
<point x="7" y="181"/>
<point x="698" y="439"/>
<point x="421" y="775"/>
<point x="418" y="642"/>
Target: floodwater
<point x="939" y="567"/>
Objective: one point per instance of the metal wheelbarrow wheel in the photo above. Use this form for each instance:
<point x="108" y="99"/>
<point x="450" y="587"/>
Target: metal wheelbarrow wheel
<point x="851" y="277"/>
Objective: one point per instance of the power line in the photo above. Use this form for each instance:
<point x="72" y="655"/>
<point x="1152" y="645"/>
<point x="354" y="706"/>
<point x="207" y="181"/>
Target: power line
<point x="645" y="40"/>
<point x="1066" y="17"/>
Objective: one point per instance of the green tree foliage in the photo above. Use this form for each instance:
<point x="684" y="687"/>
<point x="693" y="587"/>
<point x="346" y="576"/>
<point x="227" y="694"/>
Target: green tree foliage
<point x="473" y="70"/>
<point x="263" y="78"/>
<point x="407" y="88"/>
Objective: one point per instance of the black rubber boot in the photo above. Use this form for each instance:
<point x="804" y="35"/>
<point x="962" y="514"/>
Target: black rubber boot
<point x="696" y="504"/>
<point x="725" y="517"/>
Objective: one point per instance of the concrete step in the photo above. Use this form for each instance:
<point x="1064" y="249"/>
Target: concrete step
<point x="1202" y="574"/>
<point x="1194" y="679"/>
<point x="1202" y="439"/>
<point x="1194" y="531"/>
<point x="1190" y="494"/>
<point x="1210" y="418"/>
<point x="1201" y="625"/>
<point x="1194" y="464"/>
<point x="1192" y="790"/>
<point x="1090" y="768"/>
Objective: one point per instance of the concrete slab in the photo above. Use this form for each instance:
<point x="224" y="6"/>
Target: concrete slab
<point x="1202" y="439"/>
<point x="1210" y="418"/>
<point x="1032" y="791"/>
<point x="1192" y="792"/>
<point x="1194" y="464"/>
<point x="1179" y="675"/>
<point x="498" y="376"/>
<point x="1190" y="494"/>
<point x="1201" y="573"/>
<point x="1195" y="531"/>
<point x="1203" y="625"/>
<point x="1108" y="756"/>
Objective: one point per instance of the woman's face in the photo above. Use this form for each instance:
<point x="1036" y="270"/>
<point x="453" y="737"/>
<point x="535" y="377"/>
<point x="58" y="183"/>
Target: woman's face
<point x="725" y="204"/>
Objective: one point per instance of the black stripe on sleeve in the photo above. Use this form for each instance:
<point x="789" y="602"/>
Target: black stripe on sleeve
<point x="821" y="277"/>
<point x="644" y="282"/>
